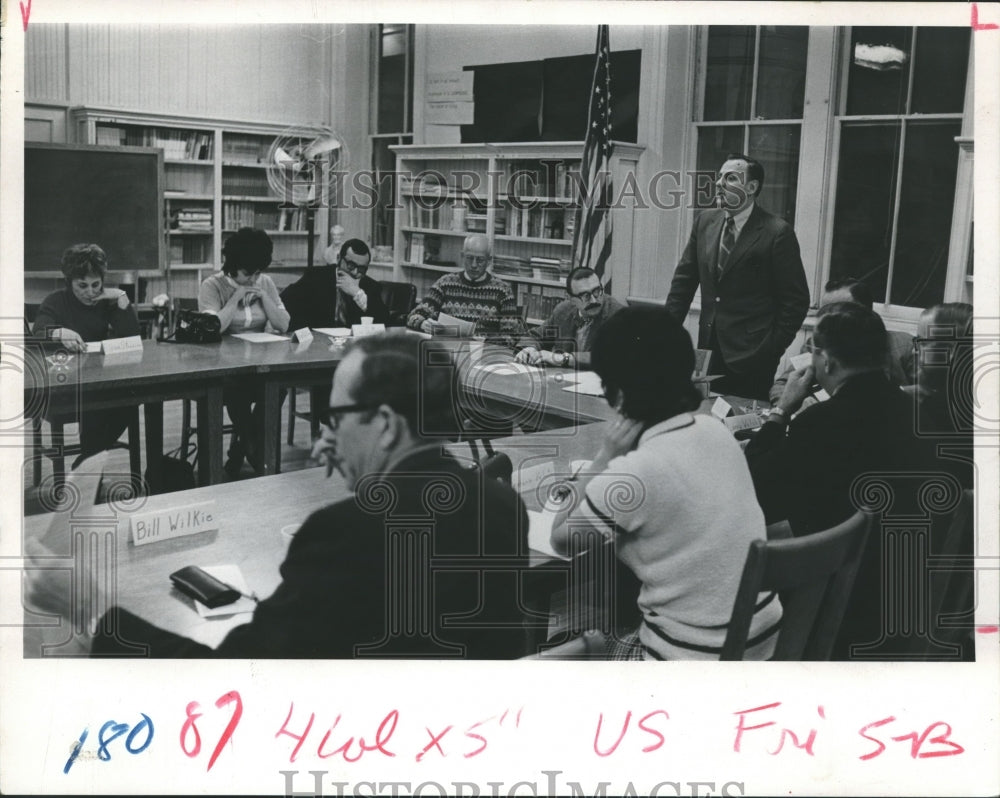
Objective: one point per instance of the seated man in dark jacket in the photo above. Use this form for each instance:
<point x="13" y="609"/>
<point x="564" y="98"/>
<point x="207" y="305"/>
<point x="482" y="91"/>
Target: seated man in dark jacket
<point x="422" y="560"/>
<point x="336" y="296"/>
<point x="565" y="337"/>
<point x="811" y="474"/>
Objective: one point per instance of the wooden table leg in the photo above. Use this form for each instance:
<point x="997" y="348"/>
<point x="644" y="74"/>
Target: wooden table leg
<point x="210" y="437"/>
<point x="272" y="422"/>
<point x="154" y="445"/>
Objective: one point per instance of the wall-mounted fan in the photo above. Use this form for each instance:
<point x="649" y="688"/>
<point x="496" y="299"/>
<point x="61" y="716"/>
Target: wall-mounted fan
<point x="300" y="164"/>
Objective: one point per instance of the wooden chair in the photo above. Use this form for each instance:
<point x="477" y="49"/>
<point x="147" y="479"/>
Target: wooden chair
<point x="57" y="450"/>
<point x="813" y="576"/>
<point x="952" y="607"/>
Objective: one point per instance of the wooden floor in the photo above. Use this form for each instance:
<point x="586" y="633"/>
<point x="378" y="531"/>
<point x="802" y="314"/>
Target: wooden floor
<point x="293" y="457"/>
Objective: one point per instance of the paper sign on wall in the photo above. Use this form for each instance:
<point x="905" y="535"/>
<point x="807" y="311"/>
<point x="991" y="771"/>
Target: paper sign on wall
<point x="449" y="86"/>
<point x="449" y="113"/>
<point x="173" y="522"/>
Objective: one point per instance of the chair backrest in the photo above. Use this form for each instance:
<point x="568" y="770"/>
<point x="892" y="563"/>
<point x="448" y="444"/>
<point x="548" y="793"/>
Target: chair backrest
<point x="813" y="575"/>
<point x="954" y="596"/>
<point x="399" y="300"/>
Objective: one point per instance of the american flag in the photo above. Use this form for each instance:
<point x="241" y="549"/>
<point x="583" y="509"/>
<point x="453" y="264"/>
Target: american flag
<point x="592" y="233"/>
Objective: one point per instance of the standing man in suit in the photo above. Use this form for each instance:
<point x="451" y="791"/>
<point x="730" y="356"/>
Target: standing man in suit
<point x="753" y="287"/>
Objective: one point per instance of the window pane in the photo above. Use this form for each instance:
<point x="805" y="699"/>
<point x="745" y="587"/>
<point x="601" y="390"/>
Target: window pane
<point x="714" y="144"/>
<point x="862" y="220"/>
<point x="383" y="166"/>
<point x="777" y="149"/>
<point x="877" y="79"/>
<point x="391" y="80"/>
<point x="729" y="72"/>
<point x="781" y="74"/>
<point x="939" y="71"/>
<point x="927" y="198"/>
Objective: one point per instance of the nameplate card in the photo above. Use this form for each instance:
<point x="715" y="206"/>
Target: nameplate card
<point x="113" y="346"/>
<point x="526" y="480"/>
<point x="721" y="408"/>
<point x="801" y="361"/>
<point x="173" y="522"/>
<point x="302" y="336"/>
<point x="360" y="330"/>
<point x="741" y="423"/>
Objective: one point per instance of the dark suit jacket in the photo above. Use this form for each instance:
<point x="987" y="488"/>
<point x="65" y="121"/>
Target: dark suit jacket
<point x="354" y="570"/>
<point x="559" y="329"/>
<point x="312" y="299"/>
<point x="757" y="306"/>
<point x="866" y="427"/>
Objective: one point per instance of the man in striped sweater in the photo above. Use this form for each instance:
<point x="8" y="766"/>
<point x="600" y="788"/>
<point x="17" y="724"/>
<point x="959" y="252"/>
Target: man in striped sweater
<point x="472" y="294"/>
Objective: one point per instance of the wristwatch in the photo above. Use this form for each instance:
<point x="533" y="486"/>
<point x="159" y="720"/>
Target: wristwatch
<point x="778" y="414"/>
<point x="565" y="360"/>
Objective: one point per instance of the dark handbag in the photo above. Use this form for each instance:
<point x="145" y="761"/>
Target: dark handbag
<point x="177" y="473"/>
<point x="194" y="327"/>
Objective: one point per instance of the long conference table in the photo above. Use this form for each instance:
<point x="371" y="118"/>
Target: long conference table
<point x="248" y="518"/>
<point x="56" y="384"/>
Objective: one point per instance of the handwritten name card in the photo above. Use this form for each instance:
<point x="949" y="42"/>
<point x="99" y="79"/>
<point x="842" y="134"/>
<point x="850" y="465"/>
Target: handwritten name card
<point x="174" y="522"/>
<point x="302" y="336"/>
<point x="132" y="343"/>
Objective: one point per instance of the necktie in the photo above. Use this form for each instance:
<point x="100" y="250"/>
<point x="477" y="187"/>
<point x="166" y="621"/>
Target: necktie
<point x="726" y="245"/>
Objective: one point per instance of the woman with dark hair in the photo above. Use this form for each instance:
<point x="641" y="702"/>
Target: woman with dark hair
<point x="84" y="311"/>
<point x="245" y="300"/>
<point x="672" y="491"/>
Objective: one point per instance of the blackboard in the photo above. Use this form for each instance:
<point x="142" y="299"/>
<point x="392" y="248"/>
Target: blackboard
<point x="109" y="196"/>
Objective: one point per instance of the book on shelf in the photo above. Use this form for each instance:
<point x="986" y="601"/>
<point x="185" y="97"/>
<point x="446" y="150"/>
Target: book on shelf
<point x="415" y="248"/>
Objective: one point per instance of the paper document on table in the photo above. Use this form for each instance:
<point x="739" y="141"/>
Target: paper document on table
<point x="465" y="328"/>
<point x="507" y="368"/>
<point x="334" y="332"/>
<point x="259" y="337"/>
<point x="540" y="533"/>
<point x="232" y="576"/>
<point x="585" y="382"/>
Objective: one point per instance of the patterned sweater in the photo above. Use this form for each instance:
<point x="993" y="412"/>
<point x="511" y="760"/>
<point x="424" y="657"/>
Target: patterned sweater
<point x="490" y="302"/>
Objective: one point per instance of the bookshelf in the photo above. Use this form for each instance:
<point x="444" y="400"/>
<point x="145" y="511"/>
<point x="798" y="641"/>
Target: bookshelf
<point x="215" y="181"/>
<point x="522" y="196"/>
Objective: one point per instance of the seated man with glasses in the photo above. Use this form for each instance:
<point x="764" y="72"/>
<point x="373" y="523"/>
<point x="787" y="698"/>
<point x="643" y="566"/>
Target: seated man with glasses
<point x="337" y="295"/>
<point x="472" y="294"/>
<point x="423" y="559"/>
<point x="565" y="337"/>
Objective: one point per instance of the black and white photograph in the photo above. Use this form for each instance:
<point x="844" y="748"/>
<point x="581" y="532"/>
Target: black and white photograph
<point x="442" y="399"/>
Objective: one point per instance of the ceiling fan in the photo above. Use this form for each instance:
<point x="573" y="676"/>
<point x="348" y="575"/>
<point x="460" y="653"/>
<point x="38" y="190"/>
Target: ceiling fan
<point x="299" y="167"/>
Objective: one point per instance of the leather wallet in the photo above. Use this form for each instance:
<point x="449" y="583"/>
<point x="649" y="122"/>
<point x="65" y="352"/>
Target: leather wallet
<point x="202" y="586"/>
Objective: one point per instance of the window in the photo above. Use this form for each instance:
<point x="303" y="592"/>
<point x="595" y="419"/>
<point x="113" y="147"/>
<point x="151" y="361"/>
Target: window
<point x="897" y="161"/>
<point x="752" y="99"/>
<point x="391" y="118"/>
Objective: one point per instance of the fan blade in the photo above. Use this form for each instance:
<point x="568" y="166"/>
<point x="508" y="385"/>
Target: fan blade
<point x="322" y="145"/>
<point x="281" y="157"/>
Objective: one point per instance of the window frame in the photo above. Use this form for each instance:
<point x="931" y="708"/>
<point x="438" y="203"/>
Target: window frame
<point x="827" y="61"/>
<point x="954" y="281"/>
<point x="373" y="134"/>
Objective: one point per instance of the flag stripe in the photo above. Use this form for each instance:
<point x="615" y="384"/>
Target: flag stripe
<point x="592" y="234"/>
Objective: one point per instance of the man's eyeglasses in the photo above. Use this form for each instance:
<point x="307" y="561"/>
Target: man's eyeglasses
<point x="476" y="260"/>
<point x="587" y="296"/>
<point x="352" y="268"/>
<point x="331" y="416"/>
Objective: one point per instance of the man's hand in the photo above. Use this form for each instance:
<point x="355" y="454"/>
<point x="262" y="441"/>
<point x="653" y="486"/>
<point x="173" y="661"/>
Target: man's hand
<point x="349" y="285"/>
<point x="324" y="452"/>
<point x="798" y="387"/>
<point x="529" y="355"/>
<point x="428" y="325"/>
